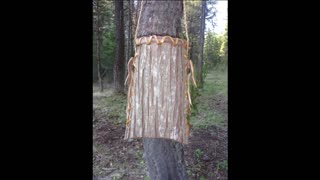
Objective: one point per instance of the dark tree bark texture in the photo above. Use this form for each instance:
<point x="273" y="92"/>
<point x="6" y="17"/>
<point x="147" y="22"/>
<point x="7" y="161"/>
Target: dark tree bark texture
<point x="119" y="65"/>
<point x="162" y="18"/>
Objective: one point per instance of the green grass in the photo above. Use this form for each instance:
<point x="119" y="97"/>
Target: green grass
<point x="115" y="107"/>
<point x="223" y="164"/>
<point x="215" y="84"/>
<point x="206" y="118"/>
<point x="198" y="153"/>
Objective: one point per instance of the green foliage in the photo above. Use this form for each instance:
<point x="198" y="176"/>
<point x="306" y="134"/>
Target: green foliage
<point x="194" y="92"/>
<point x="222" y="165"/>
<point x="147" y="178"/>
<point x="107" y="26"/>
<point x="198" y="153"/>
<point x="189" y="172"/>
<point x="202" y="178"/>
<point x="216" y="51"/>
<point x="212" y="48"/>
<point x="224" y="50"/>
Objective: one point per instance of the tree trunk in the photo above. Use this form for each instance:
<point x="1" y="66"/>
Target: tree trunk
<point x="119" y="65"/>
<point x="129" y="34"/>
<point x="134" y="18"/>
<point x="164" y="157"/>
<point x="203" y="23"/>
<point x="130" y="48"/>
<point x="99" y="39"/>
<point x="129" y="37"/>
<point x="136" y="14"/>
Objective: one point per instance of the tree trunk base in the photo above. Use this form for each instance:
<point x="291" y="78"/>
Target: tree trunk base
<point x="165" y="159"/>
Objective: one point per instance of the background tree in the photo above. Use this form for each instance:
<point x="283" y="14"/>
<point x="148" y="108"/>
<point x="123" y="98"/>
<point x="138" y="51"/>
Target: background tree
<point x="203" y="25"/>
<point x="98" y="29"/>
<point x="119" y="64"/>
<point x="107" y="40"/>
<point x="130" y="28"/>
<point x="205" y="11"/>
<point x="194" y="25"/>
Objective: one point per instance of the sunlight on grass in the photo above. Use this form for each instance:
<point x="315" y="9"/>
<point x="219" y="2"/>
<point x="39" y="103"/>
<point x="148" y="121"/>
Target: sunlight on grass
<point x="215" y="84"/>
<point x="205" y="119"/>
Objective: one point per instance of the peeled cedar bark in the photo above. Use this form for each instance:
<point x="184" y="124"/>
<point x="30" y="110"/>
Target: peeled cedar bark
<point x="158" y="93"/>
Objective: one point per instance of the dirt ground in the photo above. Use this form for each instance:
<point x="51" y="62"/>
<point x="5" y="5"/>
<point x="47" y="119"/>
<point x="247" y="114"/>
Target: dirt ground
<point x="114" y="158"/>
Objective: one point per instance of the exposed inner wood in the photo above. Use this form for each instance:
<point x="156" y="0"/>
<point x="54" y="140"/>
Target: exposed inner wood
<point x="158" y="91"/>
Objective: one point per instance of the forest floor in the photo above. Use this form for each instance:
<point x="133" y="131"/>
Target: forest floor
<point x="206" y="155"/>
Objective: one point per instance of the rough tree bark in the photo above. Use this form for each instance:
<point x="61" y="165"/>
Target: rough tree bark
<point x="98" y="46"/>
<point x="136" y="14"/>
<point x="119" y="65"/>
<point x="129" y="33"/>
<point x="130" y="48"/>
<point x="164" y="157"/>
<point x="134" y="17"/>
<point x="203" y="23"/>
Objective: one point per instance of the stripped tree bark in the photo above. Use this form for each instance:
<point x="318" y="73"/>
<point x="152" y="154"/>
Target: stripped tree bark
<point x="164" y="157"/>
